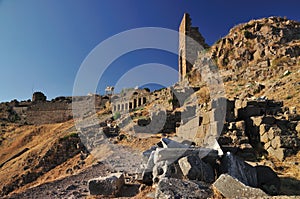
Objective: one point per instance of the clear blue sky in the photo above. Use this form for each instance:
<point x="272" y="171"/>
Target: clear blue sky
<point x="43" y="43"/>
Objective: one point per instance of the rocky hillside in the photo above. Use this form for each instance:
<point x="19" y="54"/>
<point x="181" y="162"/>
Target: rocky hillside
<point x="261" y="59"/>
<point x="270" y="42"/>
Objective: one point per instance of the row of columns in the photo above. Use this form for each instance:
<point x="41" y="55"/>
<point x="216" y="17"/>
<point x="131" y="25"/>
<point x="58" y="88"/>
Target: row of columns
<point x="129" y="105"/>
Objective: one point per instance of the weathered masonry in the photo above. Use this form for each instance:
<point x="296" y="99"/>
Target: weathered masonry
<point x="189" y="40"/>
<point x="129" y="100"/>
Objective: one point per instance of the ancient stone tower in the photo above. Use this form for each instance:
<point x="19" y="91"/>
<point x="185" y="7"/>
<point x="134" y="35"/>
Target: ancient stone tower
<point x="188" y="48"/>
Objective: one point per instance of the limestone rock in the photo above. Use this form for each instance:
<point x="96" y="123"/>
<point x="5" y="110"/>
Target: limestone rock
<point x="230" y="187"/>
<point x="166" y="169"/>
<point x="194" y="168"/>
<point x="109" y="185"/>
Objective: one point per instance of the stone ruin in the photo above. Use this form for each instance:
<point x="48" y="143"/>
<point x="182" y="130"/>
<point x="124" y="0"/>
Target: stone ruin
<point x="129" y="100"/>
<point x="42" y="111"/>
<point x="38" y="97"/>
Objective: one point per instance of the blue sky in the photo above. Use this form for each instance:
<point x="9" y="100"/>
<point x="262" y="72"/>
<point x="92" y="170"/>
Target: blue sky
<point x="43" y="43"/>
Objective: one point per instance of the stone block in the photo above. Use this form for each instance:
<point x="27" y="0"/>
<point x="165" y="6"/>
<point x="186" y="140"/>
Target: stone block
<point x="231" y="187"/>
<point x="168" y="143"/>
<point x="267" y="145"/>
<point x="173" y="154"/>
<point x="193" y="168"/>
<point x="240" y="125"/>
<point x="240" y="104"/>
<point x="238" y="169"/>
<point x="147" y="174"/>
<point x="171" y="188"/>
<point x="217" y="115"/>
<point x="215" y="128"/>
<point x="263" y="128"/>
<point x="109" y="185"/>
<point x="257" y="121"/>
<point x="264" y="138"/>
<point x="271" y="135"/>
<point x="280" y="153"/>
<point x="285" y="142"/>
<point x="219" y="103"/>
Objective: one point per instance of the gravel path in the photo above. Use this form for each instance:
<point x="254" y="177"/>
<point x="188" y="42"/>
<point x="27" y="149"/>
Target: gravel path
<point x="74" y="186"/>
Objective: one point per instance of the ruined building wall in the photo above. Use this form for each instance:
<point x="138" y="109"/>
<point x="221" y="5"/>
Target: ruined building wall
<point x="188" y="49"/>
<point x="48" y="112"/>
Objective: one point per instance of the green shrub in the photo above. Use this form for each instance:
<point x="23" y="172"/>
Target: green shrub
<point x="117" y="115"/>
<point x="73" y="134"/>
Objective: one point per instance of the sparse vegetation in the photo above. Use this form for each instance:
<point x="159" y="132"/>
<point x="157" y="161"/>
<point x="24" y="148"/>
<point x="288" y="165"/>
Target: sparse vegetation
<point x="117" y="115"/>
<point x="279" y="61"/>
<point x="73" y="134"/>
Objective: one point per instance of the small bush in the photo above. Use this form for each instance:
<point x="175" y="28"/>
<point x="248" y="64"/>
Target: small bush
<point x="117" y="115"/>
<point x="74" y="134"/>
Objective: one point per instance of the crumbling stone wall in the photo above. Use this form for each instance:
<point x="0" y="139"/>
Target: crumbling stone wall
<point x="250" y="129"/>
<point x="188" y="51"/>
<point x="47" y="112"/>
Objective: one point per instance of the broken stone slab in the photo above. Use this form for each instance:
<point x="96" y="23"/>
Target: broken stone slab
<point x="147" y="174"/>
<point x="173" y="154"/>
<point x="238" y="169"/>
<point x="267" y="180"/>
<point x="108" y="185"/>
<point x="172" y="188"/>
<point x="231" y="187"/>
<point x="193" y="168"/>
<point x="168" y="143"/>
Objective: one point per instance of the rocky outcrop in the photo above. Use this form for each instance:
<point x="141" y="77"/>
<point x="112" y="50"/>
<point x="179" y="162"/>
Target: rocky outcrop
<point x="272" y="41"/>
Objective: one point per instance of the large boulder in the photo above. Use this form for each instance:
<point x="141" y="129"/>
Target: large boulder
<point x="194" y="168"/>
<point x="172" y="188"/>
<point x="239" y="169"/>
<point x="147" y="174"/>
<point x="230" y="187"/>
<point x="166" y="169"/>
<point x="109" y="185"/>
